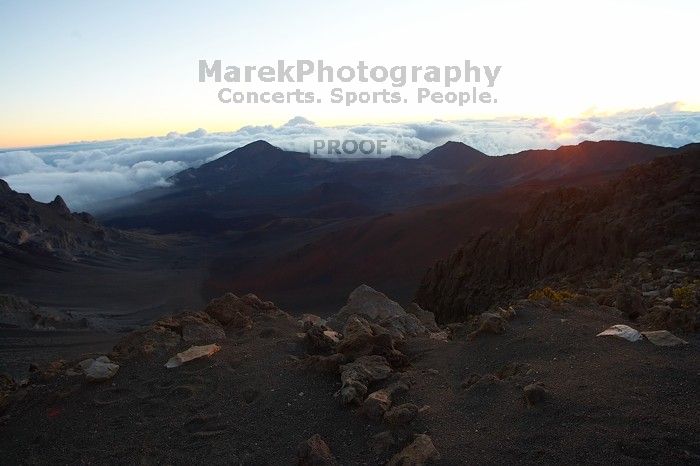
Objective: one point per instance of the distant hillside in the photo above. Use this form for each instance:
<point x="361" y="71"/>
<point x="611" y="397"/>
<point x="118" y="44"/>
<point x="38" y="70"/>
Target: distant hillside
<point x="568" y="230"/>
<point x="260" y="180"/>
<point x="391" y="251"/>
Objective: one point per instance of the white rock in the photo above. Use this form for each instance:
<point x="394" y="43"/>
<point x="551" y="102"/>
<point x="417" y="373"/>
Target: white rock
<point x="85" y="363"/>
<point x="194" y="352"/>
<point x="621" y="331"/>
<point x="101" y="369"/>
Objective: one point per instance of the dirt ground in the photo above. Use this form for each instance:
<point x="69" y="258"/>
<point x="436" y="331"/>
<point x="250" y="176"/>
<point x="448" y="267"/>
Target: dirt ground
<point x="608" y="401"/>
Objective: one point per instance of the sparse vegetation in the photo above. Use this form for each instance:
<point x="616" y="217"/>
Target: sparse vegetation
<point x="685" y="295"/>
<point x="556" y="296"/>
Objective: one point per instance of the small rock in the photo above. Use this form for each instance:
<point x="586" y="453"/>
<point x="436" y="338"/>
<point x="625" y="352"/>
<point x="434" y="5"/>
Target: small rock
<point x="315" y="452"/>
<point x="358" y="375"/>
<point x="421" y="451"/>
<point x="317" y="339"/>
<point x="401" y="414"/>
<point x="534" y="393"/>
<point x="101" y="369"/>
<point x="194" y="352"/>
<point x="621" y="331"/>
<point x="376" y="404"/>
<point x="664" y="338"/>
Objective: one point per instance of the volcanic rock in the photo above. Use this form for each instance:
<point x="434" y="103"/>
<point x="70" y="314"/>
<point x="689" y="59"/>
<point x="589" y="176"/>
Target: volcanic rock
<point x="230" y="310"/>
<point x="99" y="370"/>
<point x="376" y="404"/>
<point x="426" y="318"/>
<point x="315" y="452"/>
<point x="369" y="303"/>
<point x="358" y="375"/>
<point x="534" y="393"/>
<point x="421" y="451"/>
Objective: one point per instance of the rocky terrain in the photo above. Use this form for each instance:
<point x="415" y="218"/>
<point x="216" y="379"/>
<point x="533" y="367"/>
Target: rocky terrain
<point x="242" y="382"/>
<point x="636" y="235"/>
<point x="48" y="229"/>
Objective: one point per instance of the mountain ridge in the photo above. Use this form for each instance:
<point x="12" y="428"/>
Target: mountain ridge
<point x="261" y="178"/>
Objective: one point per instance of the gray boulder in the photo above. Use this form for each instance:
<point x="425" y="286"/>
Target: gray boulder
<point x="98" y="370"/>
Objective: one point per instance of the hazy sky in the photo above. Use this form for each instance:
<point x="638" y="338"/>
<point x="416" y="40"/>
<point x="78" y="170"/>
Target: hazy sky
<point x="85" y="70"/>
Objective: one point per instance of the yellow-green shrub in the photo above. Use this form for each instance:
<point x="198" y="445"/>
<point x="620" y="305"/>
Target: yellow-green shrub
<point x="557" y="296"/>
<point x="685" y="295"/>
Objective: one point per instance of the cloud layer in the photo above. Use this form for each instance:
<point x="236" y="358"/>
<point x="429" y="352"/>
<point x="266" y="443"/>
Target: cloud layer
<point x="89" y="172"/>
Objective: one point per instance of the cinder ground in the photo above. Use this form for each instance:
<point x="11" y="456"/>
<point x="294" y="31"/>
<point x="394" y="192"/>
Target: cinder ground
<point x="609" y="402"/>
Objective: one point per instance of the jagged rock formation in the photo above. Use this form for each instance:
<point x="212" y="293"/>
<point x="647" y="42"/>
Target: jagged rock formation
<point x="567" y="231"/>
<point x="49" y="229"/>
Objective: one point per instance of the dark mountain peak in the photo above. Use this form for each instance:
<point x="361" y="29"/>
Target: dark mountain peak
<point x="256" y="147"/>
<point x="454" y="155"/>
<point x="59" y="205"/>
<point x="252" y="161"/>
<point x="4" y="187"/>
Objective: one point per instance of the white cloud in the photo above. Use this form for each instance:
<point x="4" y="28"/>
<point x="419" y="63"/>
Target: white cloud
<point x="20" y="161"/>
<point x="88" y="172"/>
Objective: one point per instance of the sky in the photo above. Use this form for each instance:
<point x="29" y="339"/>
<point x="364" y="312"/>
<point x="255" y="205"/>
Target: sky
<point x="85" y="70"/>
<point x="101" y="99"/>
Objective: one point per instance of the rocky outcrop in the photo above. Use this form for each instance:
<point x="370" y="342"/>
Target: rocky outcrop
<point x="226" y="313"/>
<point x="368" y="303"/>
<point x="47" y="229"/>
<point x="568" y="231"/>
<point x="234" y="312"/>
<point x="377" y="309"/>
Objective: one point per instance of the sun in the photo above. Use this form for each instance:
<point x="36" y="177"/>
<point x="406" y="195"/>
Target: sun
<point x="560" y="127"/>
